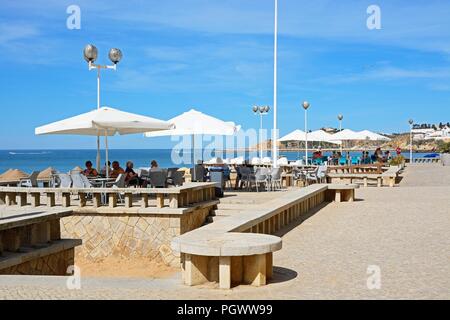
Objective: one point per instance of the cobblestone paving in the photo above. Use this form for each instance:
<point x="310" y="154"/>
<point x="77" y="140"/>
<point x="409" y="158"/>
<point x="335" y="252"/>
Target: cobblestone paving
<point x="402" y="232"/>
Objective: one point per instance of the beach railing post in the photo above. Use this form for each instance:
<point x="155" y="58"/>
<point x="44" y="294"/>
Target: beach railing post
<point x="160" y="200"/>
<point x="173" y="201"/>
<point x="51" y="199"/>
<point x="82" y="196"/>
<point x="128" y="200"/>
<point x="35" y="199"/>
<point x="66" y="200"/>
<point x="10" y="198"/>
<point x="97" y="197"/>
<point x="23" y="201"/>
<point x="112" y="200"/>
<point x="144" y="200"/>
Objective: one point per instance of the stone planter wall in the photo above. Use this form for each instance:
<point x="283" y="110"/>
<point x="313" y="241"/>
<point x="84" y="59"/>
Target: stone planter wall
<point x="131" y="235"/>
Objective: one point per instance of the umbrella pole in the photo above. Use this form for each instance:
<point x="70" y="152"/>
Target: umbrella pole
<point x="98" y="153"/>
<point x="193" y="150"/>
<point x="98" y="108"/>
<point x="106" y="154"/>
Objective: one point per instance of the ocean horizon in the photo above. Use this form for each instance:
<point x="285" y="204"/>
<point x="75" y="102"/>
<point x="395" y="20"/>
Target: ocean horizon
<point x="64" y="160"/>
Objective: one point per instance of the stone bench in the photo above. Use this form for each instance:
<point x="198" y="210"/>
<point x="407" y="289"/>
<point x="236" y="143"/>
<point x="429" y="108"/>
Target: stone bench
<point x="376" y="168"/>
<point x="30" y="243"/>
<point x="238" y="249"/>
<point x="341" y="192"/>
<point x="356" y="176"/>
<point x="227" y="258"/>
<point x="178" y="197"/>
<point x="391" y="174"/>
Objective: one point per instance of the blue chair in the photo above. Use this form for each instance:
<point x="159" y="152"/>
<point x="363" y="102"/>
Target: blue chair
<point x="318" y="161"/>
<point x="343" y="161"/>
<point x="355" y="161"/>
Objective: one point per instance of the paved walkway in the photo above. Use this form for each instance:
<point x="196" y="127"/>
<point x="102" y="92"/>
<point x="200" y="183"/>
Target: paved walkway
<point x="402" y="232"/>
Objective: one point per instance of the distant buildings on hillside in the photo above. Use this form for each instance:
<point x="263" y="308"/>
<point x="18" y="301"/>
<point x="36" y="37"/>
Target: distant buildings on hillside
<point x="439" y="131"/>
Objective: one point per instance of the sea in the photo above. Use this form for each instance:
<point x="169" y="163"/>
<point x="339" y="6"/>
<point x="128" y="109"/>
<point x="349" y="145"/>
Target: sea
<point x="65" y="160"/>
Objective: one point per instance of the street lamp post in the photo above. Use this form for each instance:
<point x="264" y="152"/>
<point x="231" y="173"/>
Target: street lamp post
<point x="340" y="118"/>
<point x="306" y="106"/>
<point x="261" y="111"/>
<point x="90" y="55"/>
<point x="411" y="123"/>
<point x="275" y="100"/>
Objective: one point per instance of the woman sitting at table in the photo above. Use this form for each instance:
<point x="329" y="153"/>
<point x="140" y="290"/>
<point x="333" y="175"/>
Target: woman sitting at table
<point x="116" y="170"/>
<point x="154" y="166"/>
<point x="89" y="171"/>
<point x="132" y="178"/>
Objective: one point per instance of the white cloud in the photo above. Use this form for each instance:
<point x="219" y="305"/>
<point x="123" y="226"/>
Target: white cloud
<point x="12" y="32"/>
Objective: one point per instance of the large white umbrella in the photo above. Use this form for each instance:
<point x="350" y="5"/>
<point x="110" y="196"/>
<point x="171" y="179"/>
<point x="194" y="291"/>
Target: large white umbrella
<point x="372" y="136"/>
<point x="347" y="135"/>
<point x="297" y="135"/>
<point x="105" y="122"/>
<point x="195" y="123"/>
<point x="321" y="136"/>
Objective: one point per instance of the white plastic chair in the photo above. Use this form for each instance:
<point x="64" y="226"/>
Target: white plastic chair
<point x="283" y="161"/>
<point x="31" y="181"/>
<point x="256" y="161"/>
<point x="261" y="177"/>
<point x="275" y="179"/>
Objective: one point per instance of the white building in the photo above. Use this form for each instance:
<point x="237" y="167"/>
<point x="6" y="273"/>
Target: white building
<point x="431" y="134"/>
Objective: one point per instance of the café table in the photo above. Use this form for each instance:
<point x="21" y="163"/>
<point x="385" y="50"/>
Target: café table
<point x="104" y="182"/>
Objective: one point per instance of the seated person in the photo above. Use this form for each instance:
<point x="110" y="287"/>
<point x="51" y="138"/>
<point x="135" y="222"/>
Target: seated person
<point x="132" y="179"/>
<point x="154" y="166"/>
<point x="378" y="155"/>
<point x="89" y="171"/>
<point x="334" y="158"/>
<point x="116" y="170"/>
<point x="103" y="171"/>
<point x="367" y="159"/>
<point x="387" y="156"/>
<point x="317" y="154"/>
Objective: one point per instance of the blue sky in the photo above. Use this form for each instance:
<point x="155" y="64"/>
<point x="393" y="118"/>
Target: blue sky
<point x="217" y="56"/>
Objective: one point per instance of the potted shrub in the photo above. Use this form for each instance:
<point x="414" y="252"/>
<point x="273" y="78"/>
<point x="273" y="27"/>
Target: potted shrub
<point x="444" y="149"/>
<point x="398" y="161"/>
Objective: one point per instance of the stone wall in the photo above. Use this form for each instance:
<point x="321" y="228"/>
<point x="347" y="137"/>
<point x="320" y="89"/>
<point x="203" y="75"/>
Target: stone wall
<point x="51" y="265"/>
<point x="131" y="235"/>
